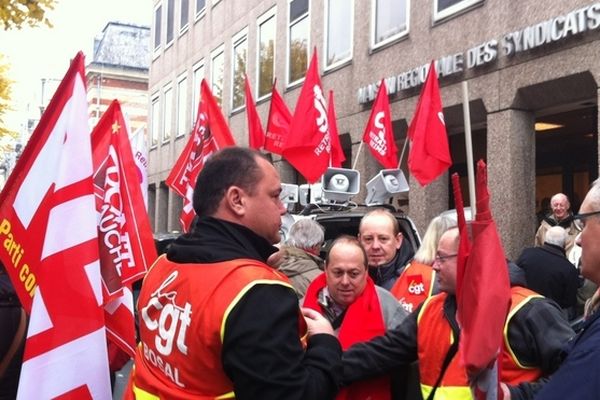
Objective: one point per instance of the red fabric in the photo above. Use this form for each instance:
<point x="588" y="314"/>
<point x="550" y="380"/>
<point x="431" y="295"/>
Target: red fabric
<point x="210" y="134"/>
<point x="379" y="135"/>
<point x="337" y="153"/>
<point x="483" y="288"/>
<point x="256" y="135"/>
<point x="429" y="155"/>
<point x="278" y="124"/>
<point x="48" y="227"/>
<point x="126" y="243"/>
<point x="308" y="146"/>
<point x="362" y="322"/>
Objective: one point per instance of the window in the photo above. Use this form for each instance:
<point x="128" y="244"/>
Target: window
<point x="184" y="16"/>
<point x="339" y="18"/>
<point x="168" y="114"/>
<point x="266" y="52"/>
<point x="170" y="21"/>
<point x="389" y="22"/>
<point x="239" y="62"/>
<point x="157" y="26"/>
<point x="217" y="73"/>
<point x="200" y="7"/>
<point x="298" y="40"/>
<point x="155" y="113"/>
<point x="198" y="75"/>
<point x="182" y="105"/>
<point x="446" y="8"/>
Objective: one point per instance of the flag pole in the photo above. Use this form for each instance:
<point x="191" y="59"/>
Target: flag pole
<point x="403" y="150"/>
<point x="469" y="148"/>
<point x="357" y="154"/>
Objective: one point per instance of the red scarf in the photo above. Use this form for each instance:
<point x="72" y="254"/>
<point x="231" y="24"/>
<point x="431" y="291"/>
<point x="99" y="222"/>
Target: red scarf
<point x="363" y="321"/>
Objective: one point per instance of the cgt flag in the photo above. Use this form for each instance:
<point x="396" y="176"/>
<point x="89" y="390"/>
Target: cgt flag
<point x="126" y="243"/>
<point x="337" y="153"/>
<point x="429" y="155"/>
<point x="278" y="124"/>
<point x="210" y="134"/>
<point x="140" y="157"/>
<point x="256" y="135"/>
<point x="379" y="135"/>
<point x="308" y="146"/>
<point x="48" y="225"/>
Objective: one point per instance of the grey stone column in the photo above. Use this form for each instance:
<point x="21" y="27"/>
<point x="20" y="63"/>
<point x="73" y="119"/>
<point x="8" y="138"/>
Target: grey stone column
<point x="511" y="177"/>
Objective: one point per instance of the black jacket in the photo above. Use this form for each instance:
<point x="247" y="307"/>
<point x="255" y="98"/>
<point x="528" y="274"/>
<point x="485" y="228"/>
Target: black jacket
<point x="261" y="352"/>
<point x="386" y="275"/>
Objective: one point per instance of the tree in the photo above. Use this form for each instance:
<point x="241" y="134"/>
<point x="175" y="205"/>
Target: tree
<point x="17" y="13"/>
<point x="5" y="90"/>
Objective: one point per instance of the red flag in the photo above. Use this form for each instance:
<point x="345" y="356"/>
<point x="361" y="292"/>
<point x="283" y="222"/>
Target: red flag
<point x="308" y="147"/>
<point x="126" y="242"/>
<point x="337" y="153"/>
<point x="48" y="225"/>
<point x="278" y="125"/>
<point x="429" y="155"/>
<point x="379" y="135"/>
<point x="483" y="287"/>
<point x="255" y="129"/>
<point x="210" y="134"/>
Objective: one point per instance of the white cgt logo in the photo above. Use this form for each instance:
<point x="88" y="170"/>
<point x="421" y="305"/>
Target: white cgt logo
<point x="441" y="117"/>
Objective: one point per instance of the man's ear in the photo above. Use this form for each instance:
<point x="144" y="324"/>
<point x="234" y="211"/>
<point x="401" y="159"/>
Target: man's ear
<point x="235" y="198"/>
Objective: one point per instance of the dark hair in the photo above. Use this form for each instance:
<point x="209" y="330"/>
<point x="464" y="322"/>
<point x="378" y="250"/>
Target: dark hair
<point x="351" y="240"/>
<point x="231" y="166"/>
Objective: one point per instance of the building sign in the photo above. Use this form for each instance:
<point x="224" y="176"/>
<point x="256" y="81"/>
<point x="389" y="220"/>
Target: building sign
<point x="551" y="31"/>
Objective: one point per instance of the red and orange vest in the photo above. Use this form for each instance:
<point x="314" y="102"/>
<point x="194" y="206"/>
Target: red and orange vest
<point x="183" y="310"/>
<point x="414" y="285"/>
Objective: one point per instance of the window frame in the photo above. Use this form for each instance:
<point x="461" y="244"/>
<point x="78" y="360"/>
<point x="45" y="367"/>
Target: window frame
<point x="397" y="36"/>
<point x="167" y="110"/>
<point x="200" y="65"/>
<point x="199" y="13"/>
<point x="184" y="28"/>
<point x="155" y="114"/>
<point x="167" y="42"/>
<point x="181" y="83"/>
<point x="157" y="27"/>
<point x="219" y="50"/>
<point x="308" y="53"/>
<point x="237" y="39"/>
<point x="336" y="64"/>
<point x="458" y="8"/>
<point x="266" y="16"/>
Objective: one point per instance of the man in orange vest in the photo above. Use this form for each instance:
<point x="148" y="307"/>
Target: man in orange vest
<point x="215" y="321"/>
<point x="535" y="331"/>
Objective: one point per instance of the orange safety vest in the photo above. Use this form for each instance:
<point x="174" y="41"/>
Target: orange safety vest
<point x="513" y="372"/>
<point x="434" y="338"/>
<point x="183" y="309"/>
<point x="414" y="285"/>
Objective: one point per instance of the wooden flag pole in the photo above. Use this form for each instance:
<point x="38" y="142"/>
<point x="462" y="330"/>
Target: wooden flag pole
<point x="403" y="150"/>
<point x="469" y="148"/>
<point x="357" y="154"/>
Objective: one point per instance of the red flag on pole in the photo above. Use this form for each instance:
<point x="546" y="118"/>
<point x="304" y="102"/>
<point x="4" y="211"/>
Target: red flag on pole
<point x="308" y="146"/>
<point x="483" y="286"/>
<point x="126" y="242"/>
<point x="210" y="134"/>
<point x="48" y="225"/>
<point x="337" y="153"/>
<point x="278" y="124"/>
<point x="429" y="155"/>
<point x="255" y="130"/>
<point x="379" y="135"/>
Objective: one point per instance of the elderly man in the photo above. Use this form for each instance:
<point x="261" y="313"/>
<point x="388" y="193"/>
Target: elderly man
<point x="299" y="257"/>
<point x="379" y="234"/>
<point x="357" y="309"/>
<point x="578" y="376"/>
<point x="216" y="321"/>
<point x="560" y="216"/>
<point x="535" y="331"/>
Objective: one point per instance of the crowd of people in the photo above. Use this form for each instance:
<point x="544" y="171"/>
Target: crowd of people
<point x="230" y="312"/>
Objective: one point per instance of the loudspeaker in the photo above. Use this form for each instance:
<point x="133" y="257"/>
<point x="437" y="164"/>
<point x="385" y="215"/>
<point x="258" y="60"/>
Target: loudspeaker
<point x="316" y="194"/>
<point x="340" y="184"/>
<point x="387" y="183"/>
<point x="289" y="193"/>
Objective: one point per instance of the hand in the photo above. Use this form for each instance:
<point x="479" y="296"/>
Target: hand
<point x="276" y="258"/>
<point x="316" y="322"/>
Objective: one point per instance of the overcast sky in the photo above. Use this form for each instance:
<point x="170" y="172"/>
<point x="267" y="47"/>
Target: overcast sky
<point x="36" y="53"/>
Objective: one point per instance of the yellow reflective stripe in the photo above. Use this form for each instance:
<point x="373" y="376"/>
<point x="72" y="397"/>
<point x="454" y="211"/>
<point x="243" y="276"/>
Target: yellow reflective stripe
<point x="431" y="283"/>
<point x="447" y="392"/>
<point x="425" y="304"/>
<point x="229" y="395"/>
<point x="243" y="292"/>
<point x="141" y="394"/>
<point x="505" y="331"/>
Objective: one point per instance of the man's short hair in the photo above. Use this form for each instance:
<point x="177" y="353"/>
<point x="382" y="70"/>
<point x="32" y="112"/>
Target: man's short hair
<point x="231" y="166"/>
<point x="305" y="234"/>
<point x="556" y="236"/>
<point x="385" y="212"/>
<point x="347" y="239"/>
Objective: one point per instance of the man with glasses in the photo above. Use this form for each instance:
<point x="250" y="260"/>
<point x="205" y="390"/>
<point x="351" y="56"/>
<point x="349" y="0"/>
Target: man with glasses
<point x="578" y="376"/>
<point x="560" y="216"/>
<point x="534" y="335"/>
